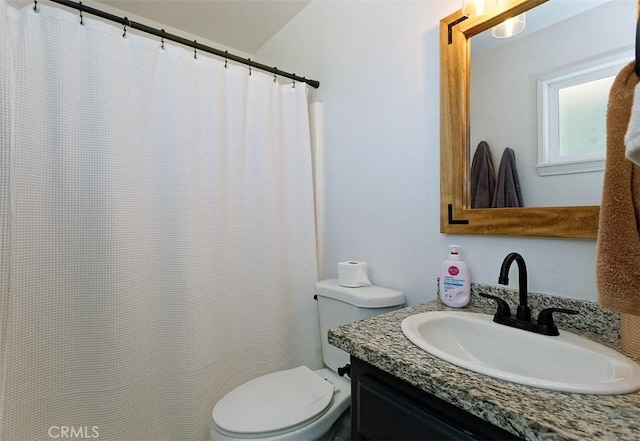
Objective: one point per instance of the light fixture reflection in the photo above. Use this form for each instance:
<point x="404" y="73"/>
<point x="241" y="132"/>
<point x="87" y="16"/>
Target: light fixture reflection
<point x="510" y="27"/>
<point x="472" y="8"/>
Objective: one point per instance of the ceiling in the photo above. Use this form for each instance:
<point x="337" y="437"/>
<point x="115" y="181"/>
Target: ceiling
<point x="245" y="25"/>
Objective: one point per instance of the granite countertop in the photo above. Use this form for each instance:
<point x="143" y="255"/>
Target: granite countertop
<point x="530" y="413"/>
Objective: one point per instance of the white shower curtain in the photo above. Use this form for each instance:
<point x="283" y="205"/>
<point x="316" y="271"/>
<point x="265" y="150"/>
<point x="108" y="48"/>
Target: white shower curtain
<point x="157" y="231"/>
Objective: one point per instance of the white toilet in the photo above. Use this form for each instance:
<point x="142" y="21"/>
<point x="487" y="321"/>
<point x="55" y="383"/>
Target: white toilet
<point x="301" y="404"/>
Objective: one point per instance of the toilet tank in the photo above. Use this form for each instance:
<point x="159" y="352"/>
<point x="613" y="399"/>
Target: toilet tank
<point x="339" y="305"/>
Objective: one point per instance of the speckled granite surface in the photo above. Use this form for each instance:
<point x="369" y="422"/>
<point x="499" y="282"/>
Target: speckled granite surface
<point x="531" y="413"/>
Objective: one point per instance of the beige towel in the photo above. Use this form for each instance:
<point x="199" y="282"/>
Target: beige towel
<point x="618" y="261"/>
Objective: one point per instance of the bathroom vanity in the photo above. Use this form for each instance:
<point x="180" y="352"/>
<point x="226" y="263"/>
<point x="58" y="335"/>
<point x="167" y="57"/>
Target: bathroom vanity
<point x="387" y="408"/>
<point x="400" y="391"/>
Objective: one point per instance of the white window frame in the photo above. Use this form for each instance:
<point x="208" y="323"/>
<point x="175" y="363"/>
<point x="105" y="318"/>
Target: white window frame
<point x="549" y="84"/>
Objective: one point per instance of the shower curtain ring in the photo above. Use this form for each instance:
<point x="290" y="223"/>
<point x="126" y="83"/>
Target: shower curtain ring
<point x="81" y="18"/>
<point x="275" y="78"/>
<point x="162" y="40"/>
<point x="225" y="58"/>
<point x="195" y="51"/>
<point x="125" y="23"/>
<point x="35" y="6"/>
<point x="249" y="66"/>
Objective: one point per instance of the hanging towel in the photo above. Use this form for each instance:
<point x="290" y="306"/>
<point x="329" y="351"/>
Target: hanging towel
<point x="618" y="247"/>
<point x="507" y="192"/>
<point x="483" y="178"/>
<point x="632" y="138"/>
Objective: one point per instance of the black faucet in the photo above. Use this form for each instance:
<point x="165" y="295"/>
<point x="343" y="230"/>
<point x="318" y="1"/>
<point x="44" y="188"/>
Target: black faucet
<point x="524" y="313"/>
<point x="522" y="320"/>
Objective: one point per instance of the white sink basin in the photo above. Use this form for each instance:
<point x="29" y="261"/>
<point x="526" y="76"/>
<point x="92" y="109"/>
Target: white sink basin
<point x="566" y="363"/>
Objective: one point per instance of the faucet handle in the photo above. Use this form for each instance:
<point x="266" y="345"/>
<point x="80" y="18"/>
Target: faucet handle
<point x="545" y="319"/>
<point x="503" y="307"/>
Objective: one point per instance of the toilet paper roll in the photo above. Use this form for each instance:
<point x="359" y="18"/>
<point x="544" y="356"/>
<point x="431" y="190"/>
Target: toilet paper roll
<point x="353" y="274"/>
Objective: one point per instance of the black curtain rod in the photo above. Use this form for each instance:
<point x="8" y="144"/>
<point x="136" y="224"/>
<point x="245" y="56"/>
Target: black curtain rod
<point x="194" y="44"/>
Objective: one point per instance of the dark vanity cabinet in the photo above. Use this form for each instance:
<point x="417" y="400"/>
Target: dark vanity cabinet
<point x="384" y="407"/>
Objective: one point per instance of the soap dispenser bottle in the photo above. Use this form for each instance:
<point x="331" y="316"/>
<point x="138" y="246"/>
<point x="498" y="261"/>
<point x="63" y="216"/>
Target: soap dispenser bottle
<point x="455" y="280"/>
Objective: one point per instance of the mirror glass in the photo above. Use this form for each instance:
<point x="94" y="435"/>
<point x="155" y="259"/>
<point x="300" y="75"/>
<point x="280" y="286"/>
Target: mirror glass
<point x="567" y="47"/>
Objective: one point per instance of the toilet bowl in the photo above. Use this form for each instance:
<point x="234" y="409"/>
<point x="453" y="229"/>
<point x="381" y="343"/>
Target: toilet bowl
<point x="302" y="404"/>
<point x="282" y="408"/>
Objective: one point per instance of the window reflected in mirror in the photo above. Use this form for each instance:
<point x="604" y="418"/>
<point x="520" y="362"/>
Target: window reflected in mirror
<point x="582" y="112"/>
<point x="572" y="109"/>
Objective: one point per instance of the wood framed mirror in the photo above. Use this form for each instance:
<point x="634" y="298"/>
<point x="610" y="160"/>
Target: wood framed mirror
<point x="456" y="216"/>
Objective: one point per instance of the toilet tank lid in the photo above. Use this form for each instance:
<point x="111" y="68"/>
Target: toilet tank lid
<point x="363" y="297"/>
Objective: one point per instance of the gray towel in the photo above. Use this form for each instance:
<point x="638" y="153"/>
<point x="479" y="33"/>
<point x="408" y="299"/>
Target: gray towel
<point x="483" y="178"/>
<point x="507" y="192"/>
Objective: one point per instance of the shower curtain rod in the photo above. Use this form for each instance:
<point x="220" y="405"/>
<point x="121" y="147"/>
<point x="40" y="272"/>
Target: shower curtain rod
<point x="194" y="44"/>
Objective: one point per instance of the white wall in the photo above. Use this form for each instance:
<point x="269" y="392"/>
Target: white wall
<point x="378" y="64"/>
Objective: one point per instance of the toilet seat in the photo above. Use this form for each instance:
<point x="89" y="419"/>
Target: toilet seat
<point x="273" y="404"/>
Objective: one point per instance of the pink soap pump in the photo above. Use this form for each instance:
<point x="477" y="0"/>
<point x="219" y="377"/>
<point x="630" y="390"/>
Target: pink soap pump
<point x="455" y="280"/>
